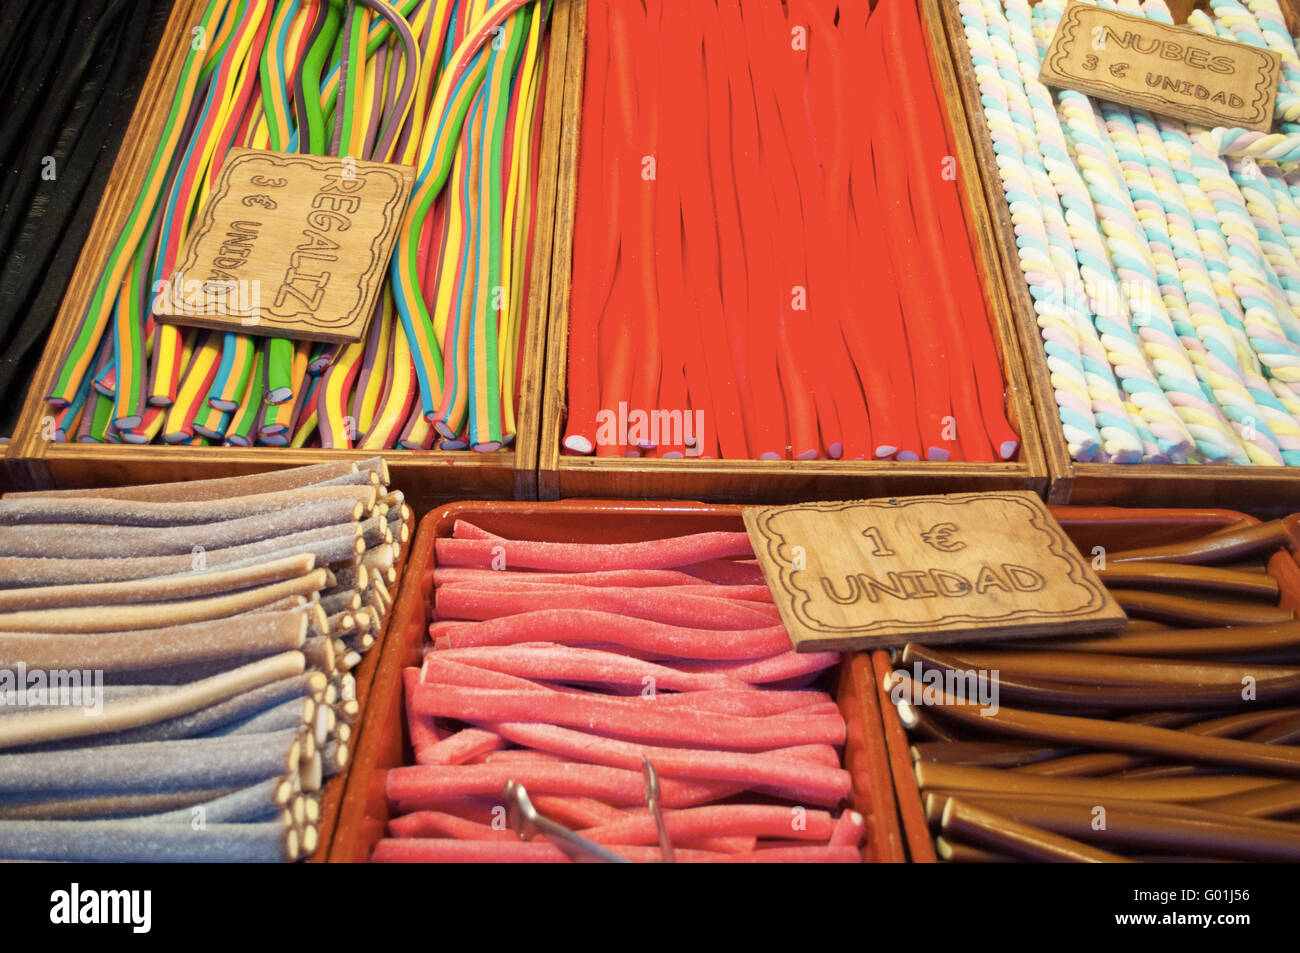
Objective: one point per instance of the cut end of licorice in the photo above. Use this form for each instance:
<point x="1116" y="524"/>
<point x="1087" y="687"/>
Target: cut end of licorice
<point x="908" y="455"/>
<point x="225" y="406"/>
<point x="488" y="447"/>
<point x="442" y="428"/>
<point x="280" y="395"/>
<point x="446" y="445"/>
<point x="835" y="450"/>
<point x="938" y="454"/>
<point x="1008" y="449"/>
<point x="886" y="450"/>
<point x="127" y="423"/>
<point x="770" y="455"/>
<point x="160" y="400"/>
<point x="578" y="444"/>
<point x="674" y="455"/>
<point x="130" y="437"/>
<point x="806" y="455"/>
<point x="58" y="403"/>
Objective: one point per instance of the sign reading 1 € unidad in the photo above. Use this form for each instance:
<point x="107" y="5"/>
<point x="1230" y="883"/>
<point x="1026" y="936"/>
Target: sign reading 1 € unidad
<point x="934" y="569"/>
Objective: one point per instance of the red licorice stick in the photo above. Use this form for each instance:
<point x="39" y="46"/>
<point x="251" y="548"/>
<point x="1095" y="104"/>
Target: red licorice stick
<point x="641" y="719"/>
<point x="913" y="268"/>
<point x="418" y="785"/>
<point x="716" y="388"/>
<point x="956" y="242"/>
<point x="729" y="820"/>
<point x="592" y="557"/>
<point x="458" y="748"/>
<point x="521" y="582"/>
<point x="424" y="733"/>
<point x="582" y="627"/>
<point x="777" y="668"/>
<point x="789" y="282"/>
<point x="439" y="824"/>
<point x="727" y="573"/>
<point x="594" y="229"/>
<point x="654" y="605"/>
<point x="566" y="664"/>
<point x="440" y="851"/>
<point x="621" y="578"/>
<point x="850" y="829"/>
<point x="913" y="90"/>
<point x="796" y="778"/>
<point x="628" y="20"/>
<point x="768" y="435"/>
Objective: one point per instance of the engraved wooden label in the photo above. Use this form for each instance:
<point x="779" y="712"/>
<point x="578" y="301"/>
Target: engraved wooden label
<point x="929" y="569"/>
<point x="1173" y="71"/>
<point x="290" y="245"/>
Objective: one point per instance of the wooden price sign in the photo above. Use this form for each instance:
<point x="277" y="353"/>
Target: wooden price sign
<point x="1173" y="71"/>
<point x="289" y="245"/>
<point x="930" y="569"/>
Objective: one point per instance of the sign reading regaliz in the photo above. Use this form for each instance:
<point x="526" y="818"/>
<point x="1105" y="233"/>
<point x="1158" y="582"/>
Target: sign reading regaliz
<point x="1172" y="71"/>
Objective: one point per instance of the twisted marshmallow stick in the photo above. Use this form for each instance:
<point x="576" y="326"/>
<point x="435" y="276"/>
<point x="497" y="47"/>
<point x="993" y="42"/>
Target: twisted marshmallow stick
<point x="1122" y="239"/>
<point x="1029" y="195"/>
<point x="1245" y="28"/>
<point x="1272" y="26"/>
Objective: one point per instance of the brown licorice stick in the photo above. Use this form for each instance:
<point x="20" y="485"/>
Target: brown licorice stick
<point x="327" y="544"/>
<point x="1230" y="641"/>
<point x="144" y="514"/>
<point x="1043" y="692"/>
<point x="959" y="778"/>
<point x="1157" y="575"/>
<point x="1001" y="833"/>
<point x="340" y="600"/>
<point x="1284" y="731"/>
<point x="1109" y="762"/>
<point x="955" y="852"/>
<point x="220" y="487"/>
<point x="91" y="540"/>
<point x="1186" y="611"/>
<point x="351" y="574"/>
<point x="159" y="615"/>
<point x="319" y="652"/>
<point x="1124" y="736"/>
<point x="35" y="807"/>
<point x="1095" y="668"/>
<point x="1216" y="548"/>
<point x="289" y="602"/>
<point x="987" y="753"/>
<point x="132" y="591"/>
<point x="117" y="716"/>
<point x="375" y="532"/>
<point x="132" y="650"/>
<point x="918" y="722"/>
<point x="1276" y="801"/>
<point x="1148" y="827"/>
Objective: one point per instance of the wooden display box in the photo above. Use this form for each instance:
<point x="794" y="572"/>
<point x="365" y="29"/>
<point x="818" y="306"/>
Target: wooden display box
<point x="773" y="481"/>
<point x="427" y="477"/>
<point x="1111" y="527"/>
<point x="383" y="741"/>
<point x="1264" y="491"/>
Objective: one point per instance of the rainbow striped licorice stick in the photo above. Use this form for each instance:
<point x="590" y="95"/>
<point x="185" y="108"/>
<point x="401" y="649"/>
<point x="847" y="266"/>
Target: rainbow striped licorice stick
<point x="81" y="350"/>
<point x="237" y="360"/>
<point x="240" y="433"/>
<point x="210" y="422"/>
<point x="457" y="85"/>
<point x="418" y="433"/>
<point x="337" y="427"/>
<point x="305" y="417"/>
<point x="148" y="428"/>
<point x="375" y="370"/>
<point x="484" y="373"/>
<point x="129" y="337"/>
<point x="179" y="426"/>
<point x="399" y="399"/>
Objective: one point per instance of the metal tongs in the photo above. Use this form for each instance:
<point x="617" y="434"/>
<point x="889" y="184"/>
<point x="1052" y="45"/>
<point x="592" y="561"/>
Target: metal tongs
<point x="525" y="821"/>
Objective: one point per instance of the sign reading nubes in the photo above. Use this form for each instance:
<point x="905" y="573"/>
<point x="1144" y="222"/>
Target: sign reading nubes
<point x="1169" y="70"/>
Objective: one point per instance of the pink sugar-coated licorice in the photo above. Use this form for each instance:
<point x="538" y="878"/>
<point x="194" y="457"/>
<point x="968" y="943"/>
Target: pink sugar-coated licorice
<point x="518" y="756"/>
<point x="850" y="829"/>
<point x="440" y="671"/>
<point x="637" y="718"/>
<point x="460" y="747"/>
<point x="580" y="627"/>
<point x="780" y="667"/>
<point x="749" y="703"/>
<point x="726" y="572"/>
<point x="653" y="605"/>
<point x="561" y="663"/>
<point x="463" y="529"/>
<point x="592" y="557"/>
<point x="440" y="824"/>
<point x="821" y="754"/>
<point x="421" y="728"/>
<point x="576" y="812"/>
<point x="721" y="820"/>
<point x="443" y="851"/>
<point x="797" y="779"/>
<point x="619" y="578"/>
<point x="523" y="582"/>
<point x="420" y="787"/>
